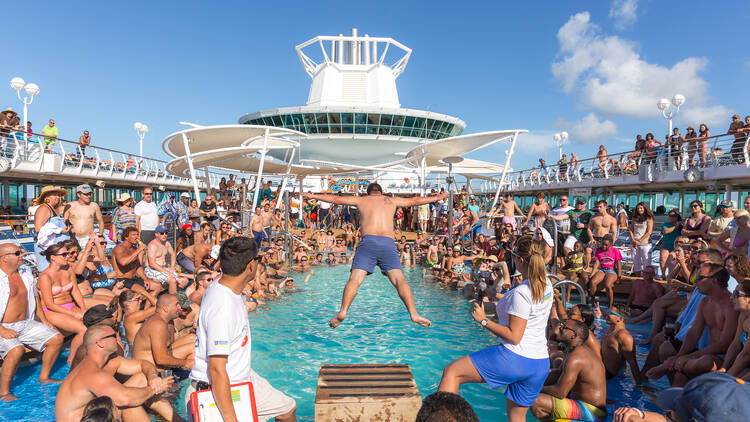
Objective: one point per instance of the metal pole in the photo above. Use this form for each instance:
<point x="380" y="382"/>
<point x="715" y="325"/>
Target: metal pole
<point x="450" y="206"/>
<point x="505" y="169"/>
<point x="260" y="170"/>
<point x="189" y="159"/>
<point x="284" y="179"/>
<point x="287" y="238"/>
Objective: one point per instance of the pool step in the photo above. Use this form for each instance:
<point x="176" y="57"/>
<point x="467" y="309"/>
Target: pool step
<point x="366" y="392"/>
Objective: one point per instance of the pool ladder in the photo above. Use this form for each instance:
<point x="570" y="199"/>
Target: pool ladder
<point x="564" y="285"/>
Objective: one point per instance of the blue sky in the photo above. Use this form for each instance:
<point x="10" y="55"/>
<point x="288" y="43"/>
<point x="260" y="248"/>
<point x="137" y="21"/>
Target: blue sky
<point x="593" y="68"/>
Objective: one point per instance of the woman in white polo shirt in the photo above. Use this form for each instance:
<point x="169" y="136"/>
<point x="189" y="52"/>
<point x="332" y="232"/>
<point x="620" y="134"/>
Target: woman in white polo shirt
<point x="520" y="361"/>
<point x="223" y="342"/>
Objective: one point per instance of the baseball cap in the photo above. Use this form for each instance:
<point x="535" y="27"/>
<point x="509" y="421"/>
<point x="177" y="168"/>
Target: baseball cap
<point x="184" y="195"/>
<point x="726" y="204"/>
<point x="714" y="396"/>
<point x="84" y="188"/>
<point x="97" y="314"/>
<point x="183" y="300"/>
<point x="187" y="226"/>
<point x="160" y="229"/>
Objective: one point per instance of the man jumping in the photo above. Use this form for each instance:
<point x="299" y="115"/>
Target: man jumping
<point x="377" y="246"/>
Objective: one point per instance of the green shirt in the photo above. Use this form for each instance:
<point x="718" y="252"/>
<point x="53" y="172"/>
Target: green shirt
<point x="576" y="217"/>
<point x="50" y="133"/>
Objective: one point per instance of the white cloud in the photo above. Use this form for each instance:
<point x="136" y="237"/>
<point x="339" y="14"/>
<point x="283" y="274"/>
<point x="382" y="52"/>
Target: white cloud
<point x="613" y="79"/>
<point x="592" y="130"/>
<point x="624" y="13"/>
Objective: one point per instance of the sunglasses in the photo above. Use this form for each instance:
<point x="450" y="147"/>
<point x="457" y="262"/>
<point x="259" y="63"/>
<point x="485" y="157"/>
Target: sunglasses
<point x="66" y="254"/>
<point x="695" y="206"/>
<point x="16" y="253"/>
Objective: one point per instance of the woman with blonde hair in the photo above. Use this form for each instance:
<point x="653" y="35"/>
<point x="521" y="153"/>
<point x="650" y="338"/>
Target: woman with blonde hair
<point x="738" y="236"/>
<point x="521" y="360"/>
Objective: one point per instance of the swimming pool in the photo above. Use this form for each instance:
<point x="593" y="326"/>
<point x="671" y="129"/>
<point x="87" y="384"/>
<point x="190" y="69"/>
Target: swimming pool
<point x="291" y="339"/>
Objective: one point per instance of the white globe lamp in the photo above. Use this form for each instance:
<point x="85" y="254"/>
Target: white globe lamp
<point x="17" y="83"/>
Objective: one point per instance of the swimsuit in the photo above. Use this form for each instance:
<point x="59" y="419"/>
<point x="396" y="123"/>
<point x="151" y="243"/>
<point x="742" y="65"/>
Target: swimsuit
<point x="56" y="290"/>
<point x="68" y="306"/>
<point x="576" y="410"/>
<point x="692" y="227"/>
<point x="376" y="250"/>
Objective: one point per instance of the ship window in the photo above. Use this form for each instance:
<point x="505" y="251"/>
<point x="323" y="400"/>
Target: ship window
<point x="347" y="129"/>
<point x="268" y="121"/>
<point x="347" y="118"/>
<point x="367" y="129"/>
<point x="406" y="132"/>
<point x="398" y="120"/>
<point x="298" y="122"/>
<point x="386" y="119"/>
<point x="373" y="118"/>
<point x="395" y="131"/>
<point x="334" y="118"/>
<point x="277" y="120"/>
<point x="309" y="119"/>
<point x="409" y="121"/>
<point x="360" y="118"/>
<point x="321" y="119"/>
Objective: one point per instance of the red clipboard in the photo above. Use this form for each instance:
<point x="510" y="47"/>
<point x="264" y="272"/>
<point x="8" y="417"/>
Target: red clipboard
<point x="204" y="408"/>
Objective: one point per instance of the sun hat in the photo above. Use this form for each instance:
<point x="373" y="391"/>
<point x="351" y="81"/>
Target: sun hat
<point x="457" y="248"/>
<point x="492" y="258"/>
<point x="48" y="190"/>
<point x="184" y="195"/>
<point x="714" y="396"/>
<point x="124" y="197"/>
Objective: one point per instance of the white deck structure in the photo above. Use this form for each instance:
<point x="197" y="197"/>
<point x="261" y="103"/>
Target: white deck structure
<point x="352" y="124"/>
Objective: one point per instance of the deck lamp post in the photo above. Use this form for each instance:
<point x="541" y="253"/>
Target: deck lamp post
<point x="560" y="140"/>
<point x="663" y="105"/>
<point x="140" y="130"/>
<point x="31" y="90"/>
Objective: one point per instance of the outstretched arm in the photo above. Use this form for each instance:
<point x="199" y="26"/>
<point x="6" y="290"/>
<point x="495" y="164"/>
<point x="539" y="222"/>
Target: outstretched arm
<point x="419" y="200"/>
<point x="333" y="199"/>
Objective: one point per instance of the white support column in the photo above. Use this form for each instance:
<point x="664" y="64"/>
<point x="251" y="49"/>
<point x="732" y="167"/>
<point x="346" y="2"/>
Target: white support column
<point x="505" y="169"/>
<point x="189" y="159"/>
<point x="208" y="181"/>
<point x="260" y="171"/>
<point x="284" y="179"/>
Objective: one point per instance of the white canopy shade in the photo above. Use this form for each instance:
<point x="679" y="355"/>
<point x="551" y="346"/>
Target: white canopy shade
<point x="229" y="136"/>
<point x="460" y="145"/>
<point x="470" y="166"/>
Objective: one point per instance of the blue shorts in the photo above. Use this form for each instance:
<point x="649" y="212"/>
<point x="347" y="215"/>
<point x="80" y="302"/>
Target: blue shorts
<point x="609" y="271"/>
<point x="476" y="228"/>
<point x="376" y="250"/>
<point x="500" y="367"/>
<point x="259" y="237"/>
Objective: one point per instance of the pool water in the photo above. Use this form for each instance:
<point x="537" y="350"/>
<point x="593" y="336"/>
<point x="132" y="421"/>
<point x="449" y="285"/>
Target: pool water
<point x="291" y="339"/>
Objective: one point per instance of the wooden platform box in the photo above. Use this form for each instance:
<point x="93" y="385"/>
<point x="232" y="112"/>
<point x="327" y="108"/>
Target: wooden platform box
<point x="366" y="392"/>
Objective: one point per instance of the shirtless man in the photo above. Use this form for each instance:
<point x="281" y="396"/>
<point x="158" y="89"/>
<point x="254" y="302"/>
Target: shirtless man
<point x="18" y="328"/>
<point x="89" y="380"/>
<point x="471" y="223"/>
<point x="601" y="224"/>
<point x="267" y="217"/>
<point x="377" y="247"/>
<point x="192" y="257"/>
<point x="203" y="235"/>
<point x="618" y="347"/>
<point x="579" y="390"/>
<point x="155" y="340"/>
<point x="82" y="214"/>
<point x="256" y="225"/>
<point x="432" y="257"/>
<point x="509" y="208"/>
<point x="156" y="263"/>
<point x="127" y="257"/>
<point x="716" y="312"/>
<point x="645" y="292"/>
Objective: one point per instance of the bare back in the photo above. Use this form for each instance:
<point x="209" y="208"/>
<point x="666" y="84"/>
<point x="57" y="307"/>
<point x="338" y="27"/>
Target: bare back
<point x="376" y="215"/>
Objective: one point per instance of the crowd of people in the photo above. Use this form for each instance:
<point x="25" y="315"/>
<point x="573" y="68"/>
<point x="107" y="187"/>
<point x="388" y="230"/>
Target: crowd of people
<point x="135" y="315"/>
<point x="689" y="149"/>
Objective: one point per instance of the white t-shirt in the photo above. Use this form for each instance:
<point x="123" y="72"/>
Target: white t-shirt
<point x="223" y="329"/>
<point x="517" y="301"/>
<point x="324" y="205"/>
<point x="148" y="213"/>
<point x="562" y="225"/>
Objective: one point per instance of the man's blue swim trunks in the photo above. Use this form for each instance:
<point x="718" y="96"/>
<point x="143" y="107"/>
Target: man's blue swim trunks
<point x="376" y="250"/>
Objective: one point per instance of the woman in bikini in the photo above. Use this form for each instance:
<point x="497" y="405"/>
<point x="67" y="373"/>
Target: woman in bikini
<point x="703" y="135"/>
<point x="739" y="237"/>
<point x="696" y="226"/>
<point x="49" y="201"/>
<point x="539" y="209"/>
<point x="130" y="303"/>
<point x="62" y="302"/>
